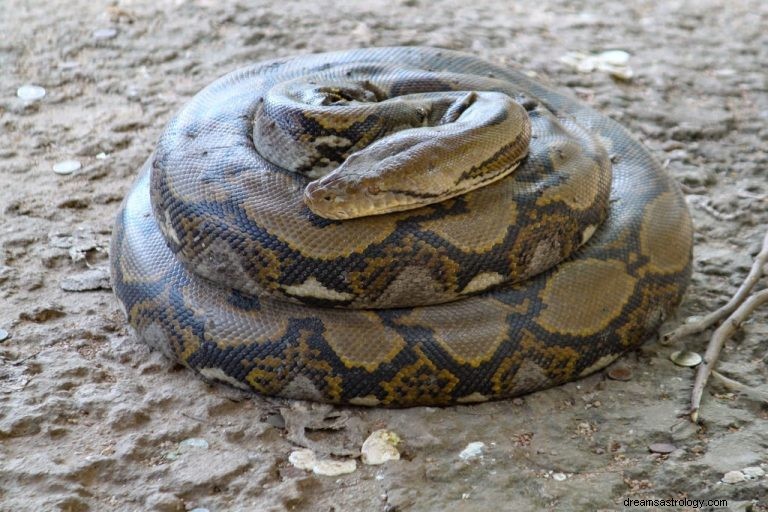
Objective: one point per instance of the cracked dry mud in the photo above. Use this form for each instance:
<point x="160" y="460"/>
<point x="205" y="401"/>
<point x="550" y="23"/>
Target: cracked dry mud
<point x="90" y="419"/>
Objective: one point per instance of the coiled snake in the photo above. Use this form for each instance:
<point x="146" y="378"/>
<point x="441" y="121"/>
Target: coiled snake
<point x="397" y="226"/>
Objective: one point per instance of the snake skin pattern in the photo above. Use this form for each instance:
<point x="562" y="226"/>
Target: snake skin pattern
<point x="537" y="278"/>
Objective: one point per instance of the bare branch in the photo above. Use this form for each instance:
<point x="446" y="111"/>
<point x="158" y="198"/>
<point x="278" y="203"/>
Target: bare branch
<point x="705" y="323"/>
<point x="722" y="333"/>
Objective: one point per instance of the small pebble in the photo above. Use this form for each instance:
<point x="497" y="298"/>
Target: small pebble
<point x="88" y="280"/>
<point x="193" y="443"/>
<point x="307" y="460"/>
<point x="614" y="57"/>
<point x="472" y="450"/>
<point x="30" y="92"/>
<point x="276" y="420"/>
<point x="334" y="467"/>
<point x="380" y="447"/>
<point x="753" y="472"/>
<point x="685" y="358"/>
<point x="734" y="477"/>
<point x="558" y="476"/>
<point x="66" y="166"/>
<point x="4" y="335"/>
<point x="613" y="62"/>
<point x="105" y="33"/>
<point x="622" y="373"/>
<point x="199" y="509"/>
<point x="303" y="459"/>
<point x="187" y="445"/>
<point x="163" y="502"/>
<point x="621" y="72"/>
<point x="662" y="448"/>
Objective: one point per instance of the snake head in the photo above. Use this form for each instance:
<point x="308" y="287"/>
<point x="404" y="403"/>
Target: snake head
<point x="340" y="197"/>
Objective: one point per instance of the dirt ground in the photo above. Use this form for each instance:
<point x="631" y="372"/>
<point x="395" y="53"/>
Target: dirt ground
<point x="90" y="419"/>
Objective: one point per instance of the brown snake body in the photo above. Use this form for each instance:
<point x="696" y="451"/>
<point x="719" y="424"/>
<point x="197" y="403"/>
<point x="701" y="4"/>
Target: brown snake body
<point x="397" y="226"/>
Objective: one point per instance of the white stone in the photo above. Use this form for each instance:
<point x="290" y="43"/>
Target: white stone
<point x="193" y="443"/>
<point x="307" y="460"/>
<point x="66" y="166"/>
<point x="753" y="472"/>
<point x="30" y="92"/>
<point x="303" y="459"/>
<point x="614" y="57"/>
<point x="734" y="477"/>
<point x="380" y="447"/>
<point x="472" y="450"/>
<point x="685" y="358"/>
<point x="334" y="467"/>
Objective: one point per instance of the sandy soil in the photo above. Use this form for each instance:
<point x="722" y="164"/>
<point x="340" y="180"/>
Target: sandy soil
<point x="91" y="420"/>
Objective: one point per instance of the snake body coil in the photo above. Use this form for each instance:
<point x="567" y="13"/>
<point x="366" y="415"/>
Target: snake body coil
<point x="397" y="226"/>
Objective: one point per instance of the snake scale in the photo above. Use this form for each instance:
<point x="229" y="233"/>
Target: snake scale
<point x="397" y="227"/>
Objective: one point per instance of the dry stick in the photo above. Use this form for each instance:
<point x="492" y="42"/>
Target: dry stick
<point x="695" y="327"/>
<point x="716" y="344"/>
<point x="734" y="385"/>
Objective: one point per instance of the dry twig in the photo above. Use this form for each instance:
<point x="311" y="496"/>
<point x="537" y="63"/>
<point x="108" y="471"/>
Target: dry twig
<point x="705" y="204"/>
<point x="716" y="344"/>
<point x="695" y="327"/>
<point x="758" y="394"/>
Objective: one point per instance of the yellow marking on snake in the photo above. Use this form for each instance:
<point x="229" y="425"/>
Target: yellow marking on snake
<point x="419" y="382"/>
<point x="487" y="230"/>
<point x="349" y="337"/>
<point x="661" y="235"/>
<point x="492" y="330"/>
<point x="583" y="297"/>
<point x="578" y="194"/>
<point x="311" y="240"/>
